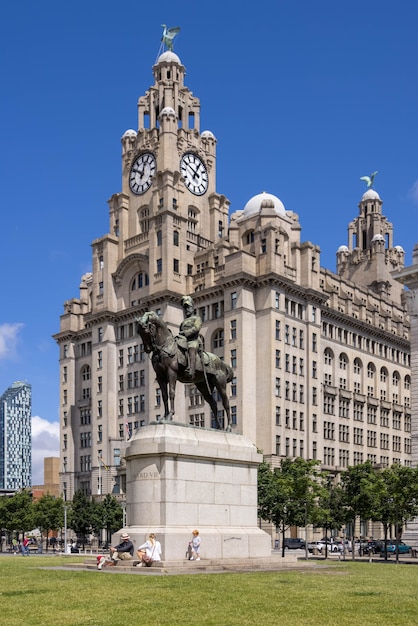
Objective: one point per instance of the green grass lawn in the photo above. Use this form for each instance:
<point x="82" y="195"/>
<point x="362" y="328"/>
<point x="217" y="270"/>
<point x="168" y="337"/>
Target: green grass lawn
<point x="343" y="593"/>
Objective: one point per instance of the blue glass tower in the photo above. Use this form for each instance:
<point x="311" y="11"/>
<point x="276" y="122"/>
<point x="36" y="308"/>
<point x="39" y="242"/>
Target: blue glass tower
<point x="16" y="437"/>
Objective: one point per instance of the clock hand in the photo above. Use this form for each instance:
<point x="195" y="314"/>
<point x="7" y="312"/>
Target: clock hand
<point x="194" y="172"/>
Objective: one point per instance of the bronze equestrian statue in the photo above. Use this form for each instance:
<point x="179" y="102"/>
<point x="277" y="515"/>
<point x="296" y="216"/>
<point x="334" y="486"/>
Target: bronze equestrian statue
<point x="171" y="364"/>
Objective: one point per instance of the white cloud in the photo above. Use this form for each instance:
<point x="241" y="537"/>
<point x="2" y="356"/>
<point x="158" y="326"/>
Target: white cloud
<point x="8" y="339"/>
<point x="413" y="192"/>
<point x="45" y="442"/>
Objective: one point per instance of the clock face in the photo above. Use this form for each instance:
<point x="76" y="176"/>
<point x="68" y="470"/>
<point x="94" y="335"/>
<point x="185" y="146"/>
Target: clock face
<point x="142" y="171"/>
<point x="194" y="173"/>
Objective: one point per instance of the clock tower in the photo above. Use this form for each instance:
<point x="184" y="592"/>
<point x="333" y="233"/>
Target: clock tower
<point x="168" y="208"/>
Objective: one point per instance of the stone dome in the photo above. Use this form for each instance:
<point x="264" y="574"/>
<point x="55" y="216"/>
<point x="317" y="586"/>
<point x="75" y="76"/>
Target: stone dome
<point x="370" y="194"/>
<point x="129" y="133"/>
<point x="208" y="134"/>
<point x="168" y="111"/>
<point x="169" y="57"/>
<point x="378" y="237"/>
<point x="263" y="200"/>
<point x="343" y="249"/>
<point x="399" y="249"/>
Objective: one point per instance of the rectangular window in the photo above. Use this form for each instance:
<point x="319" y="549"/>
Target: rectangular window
<point x="233" y="328"/>
<point x="234" y="300"/>
<point x="301" y="340"/>
<point x="233" y="358"/>
<point x="234" y="415"/>
<point x="294" y="336"/>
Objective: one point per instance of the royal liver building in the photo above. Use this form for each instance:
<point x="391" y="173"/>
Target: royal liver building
<point x="321" y="360"/>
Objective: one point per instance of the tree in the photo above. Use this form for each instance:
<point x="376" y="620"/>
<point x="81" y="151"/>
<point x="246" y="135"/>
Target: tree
<point x="18" y="512"/>
<point x="362" y="488"/>
<point x="398" y="499"/>
<point x="331" y="511"/>
<point x="108" y="515"/>
<point x="48" y="514"/>
<point x="81" y="516"/>
<point x="288" y="494"/>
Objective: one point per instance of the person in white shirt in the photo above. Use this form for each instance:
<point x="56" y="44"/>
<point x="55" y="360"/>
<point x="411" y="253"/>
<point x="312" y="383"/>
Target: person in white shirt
<point x="149" y="551"/>
<point x="195" y="546"/>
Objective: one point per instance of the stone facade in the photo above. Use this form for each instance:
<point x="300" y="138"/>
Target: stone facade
<point x="409" y="277"/>
<point x="321" y="359"/>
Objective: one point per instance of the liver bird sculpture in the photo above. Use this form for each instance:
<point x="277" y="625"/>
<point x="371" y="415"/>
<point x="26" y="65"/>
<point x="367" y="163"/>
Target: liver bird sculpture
<point x="369" y="179"/>
<point x="168" y="35"/>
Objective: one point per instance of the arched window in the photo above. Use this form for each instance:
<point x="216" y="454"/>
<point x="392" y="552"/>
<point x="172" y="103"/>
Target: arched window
<point x="86" y="372"/>
<point x="343" y="361"/>
<point x="176" y="238"/>
<point x="159" y="237"/>
<point x="328" y="356"/>
<point x="383" y="375"/>
<point x="371" y="370"/>
<point x="357" y="366"/>
<point x="249" y="237"/>
<point x="395" y="379"/>
<point x="218" y="339"/>
<point x="139" y="281"/>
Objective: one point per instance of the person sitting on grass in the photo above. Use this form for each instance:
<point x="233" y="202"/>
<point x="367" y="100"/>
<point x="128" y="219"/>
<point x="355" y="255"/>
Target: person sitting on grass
<point x="124" y="552"/>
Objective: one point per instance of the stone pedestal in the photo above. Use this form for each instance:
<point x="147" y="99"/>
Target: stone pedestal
<point x="180" y="478"/>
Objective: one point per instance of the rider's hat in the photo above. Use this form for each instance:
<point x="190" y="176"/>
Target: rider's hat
<point x="186" y="300"/>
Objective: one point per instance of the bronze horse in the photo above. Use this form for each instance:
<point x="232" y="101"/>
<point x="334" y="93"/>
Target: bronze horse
<point x="170" y="363"/>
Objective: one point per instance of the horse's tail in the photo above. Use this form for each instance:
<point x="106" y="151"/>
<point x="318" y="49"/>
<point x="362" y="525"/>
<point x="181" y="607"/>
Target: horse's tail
<point x="229" y="372"/>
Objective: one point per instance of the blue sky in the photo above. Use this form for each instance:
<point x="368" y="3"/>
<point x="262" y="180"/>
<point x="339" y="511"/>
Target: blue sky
<point x="304" y="98"/>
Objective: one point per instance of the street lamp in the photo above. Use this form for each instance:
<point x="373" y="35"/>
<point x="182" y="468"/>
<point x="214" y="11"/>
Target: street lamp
<point x="123" y="514"/>
<point x="65" y="529"/>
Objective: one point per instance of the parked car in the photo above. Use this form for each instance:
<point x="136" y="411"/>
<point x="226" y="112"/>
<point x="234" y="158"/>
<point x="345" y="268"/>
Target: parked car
<point x="294" y="543"/>
<point x="342" y="546"/>
<point x="319" y="546"/>
<point x="375" y="545"/>
<point x="403" y="548"/>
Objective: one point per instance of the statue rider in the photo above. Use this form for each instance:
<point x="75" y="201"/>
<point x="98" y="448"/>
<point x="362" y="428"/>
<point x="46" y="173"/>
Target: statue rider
<point x="190" y="330"/>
